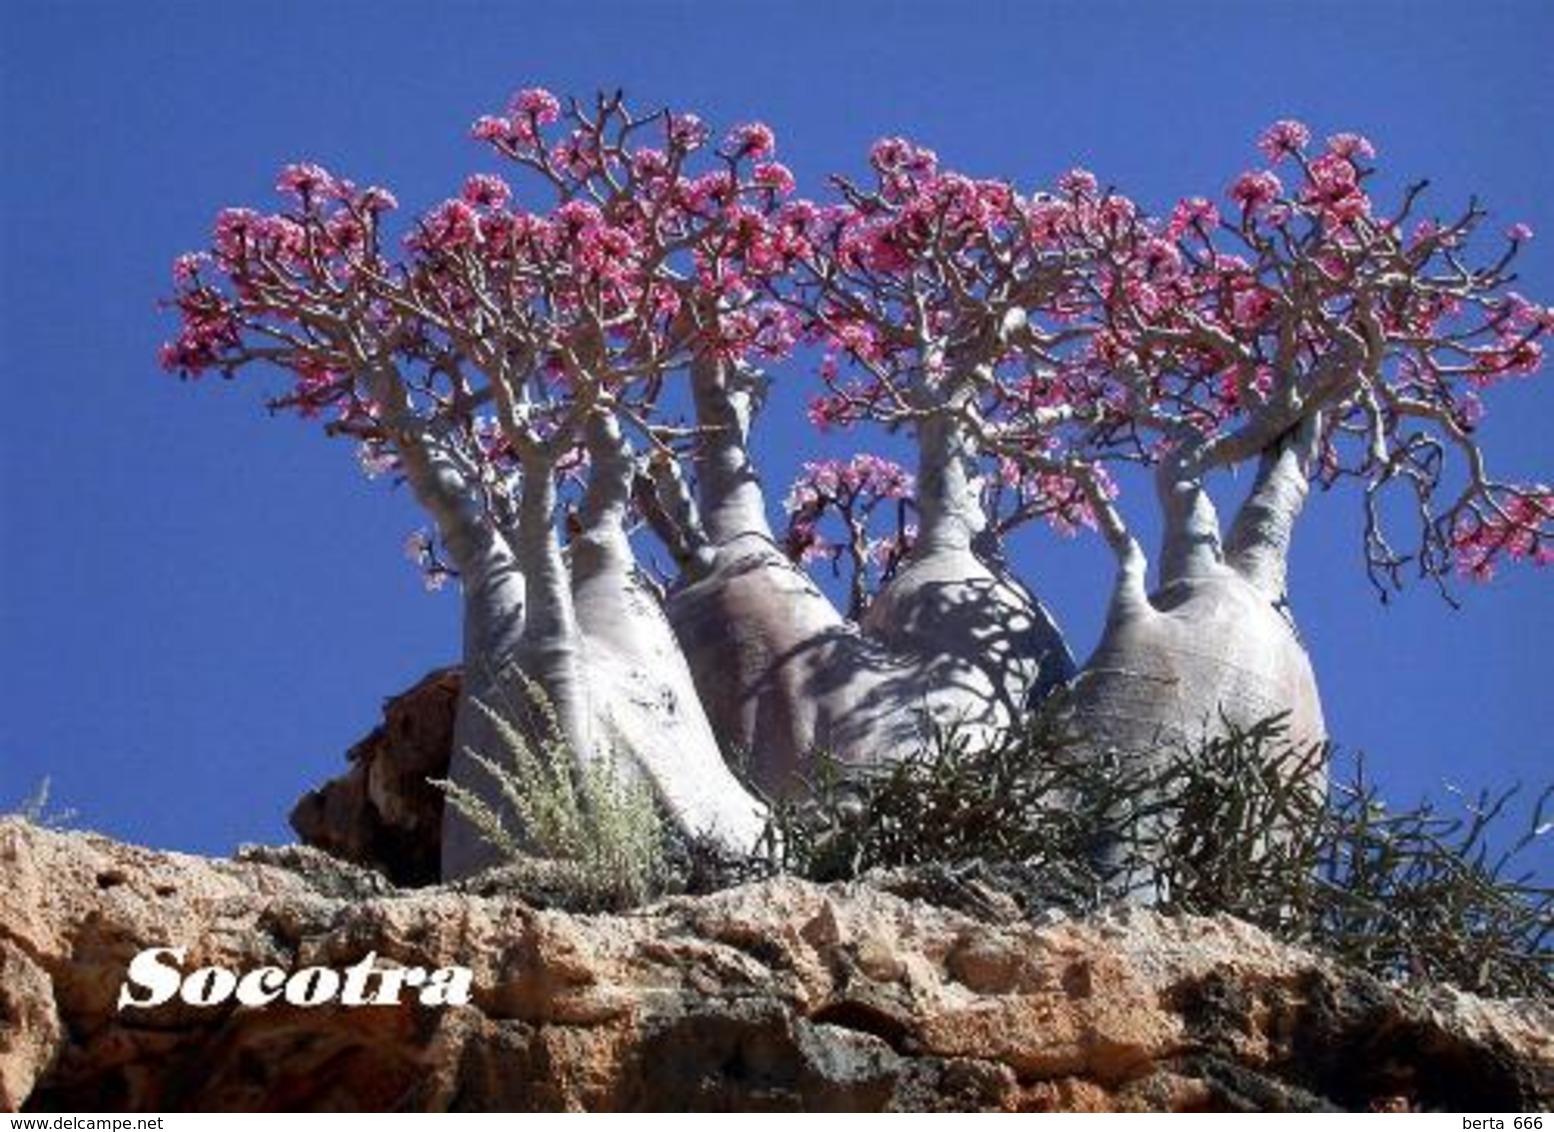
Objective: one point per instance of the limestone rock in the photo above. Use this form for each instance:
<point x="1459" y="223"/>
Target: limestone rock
<point x="774" y="995"/>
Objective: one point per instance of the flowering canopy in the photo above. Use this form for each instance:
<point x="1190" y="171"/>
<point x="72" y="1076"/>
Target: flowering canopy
<point x="1069" y="328"/>
<point x="505" y="323"/>
<point x="532" y="331"/>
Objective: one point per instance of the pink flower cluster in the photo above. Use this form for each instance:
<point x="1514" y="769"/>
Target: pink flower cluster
<point x="1256" y="191"/>
<point x="753" y="140"/>
<point x="1521" y="528"/>
<point x="1286" y="138"/>
<point x="842" y="481"/>
<point x="915" y="280"/>
<point x="307" y="183"/>
<point x="852" y="489"/>
<point x="519" y="129"/>
<point x="1332" y="189"/>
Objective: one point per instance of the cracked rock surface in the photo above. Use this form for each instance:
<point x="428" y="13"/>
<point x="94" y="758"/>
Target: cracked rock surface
<point x="775" y="995"/>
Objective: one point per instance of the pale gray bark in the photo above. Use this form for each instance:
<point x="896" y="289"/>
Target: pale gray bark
<point x="1259" y="542"/>
<point x="546" y="653"/>
<point x="775" y="664"/>
<point x="1215" y="639"/>
<point x="550" y="651"/>
<point x="493" y="599"/>
<point x="1214" y="644"/>
<point x="987" y="642"/>
<point x="650" y="717"/>
<point x="1190" y="544"/>
<point x="783" y="675"/>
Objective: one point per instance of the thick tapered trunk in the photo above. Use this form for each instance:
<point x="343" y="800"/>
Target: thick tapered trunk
<point x="493" y="597"/>
<point x="644" y="697"/>
<point x="550" y="651"/>
<point x="1215" y="639"/>
<point x="545" y="654"/>
<point x="1201" y="650"/>
<point x="782" y="674"/>
<point x="1214" y="644"/>
<point x="774" y="663"/>
<point x="988" y="646"/>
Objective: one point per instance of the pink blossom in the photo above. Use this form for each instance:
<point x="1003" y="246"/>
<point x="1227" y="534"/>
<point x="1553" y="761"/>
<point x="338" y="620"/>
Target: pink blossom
<point x="864" y="475"/>
<point x="1190" y="215"/>
<point x="579" y="154"/>
<point x="1255" y="190"/>
<point x="1333" y="188"/>
<point x="305" y="182"/>
<point x="775" y="176"/>
<point x="1282" y="139"/>
<point x="1520" y="232"/>
<point x="536" y="104"/>
<point x="828" y="412"/>
<point x="1160" y="259"/>
<point x="649" y="164"/>
<point x="1049" y="220"/>
<point x="665" y="302"/>
<point x="1116" y="213"/>
<point x="897" y="155"/>
<point x="1513" y="357"/>
<point x="188" y="266"/>
<point x="1518" y="529"/>
<point x="753" y="139"/>
<point x="686" y="132"/>
<point x="1351" y="146"/>
<point x="1250" y="306"/>
<point x="346" y="233"/>
<point x="197" y="349"/>
<point x="452" y="224"/>
<point x="490" y="129"/>
<point x="484" y="190"/>
<point x="374" y="200"/>
<point x="579" y="215"/>
<point x="1523" y="315"/>
<point x="1078" y="182"/>
<point x="233" y="230"/>
<point x="282" y="237"/>
<point x="709" y="192"/>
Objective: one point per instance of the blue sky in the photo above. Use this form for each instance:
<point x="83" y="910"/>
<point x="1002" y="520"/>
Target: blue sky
<point x="201" y="608"/>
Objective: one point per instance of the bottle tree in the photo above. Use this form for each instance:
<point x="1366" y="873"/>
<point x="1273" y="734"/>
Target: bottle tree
<point x="504" y="353"/>
<point x="553" y="364"/>
<point x="1309" y="336"/>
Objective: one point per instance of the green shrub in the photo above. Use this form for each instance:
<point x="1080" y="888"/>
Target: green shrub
<point x="1241" y="823"/>
<point x="578" y="813"/>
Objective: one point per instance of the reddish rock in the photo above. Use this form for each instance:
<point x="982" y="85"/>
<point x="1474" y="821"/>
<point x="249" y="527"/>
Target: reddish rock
<point x="383" y="813"/>
<point x="775" y="995"/>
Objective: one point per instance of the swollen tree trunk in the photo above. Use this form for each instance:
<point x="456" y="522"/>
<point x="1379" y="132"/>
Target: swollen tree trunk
<point x="1214" y="643"/>
<point x="493" y="597"/>
<point x="1216" y="639"/>
<point x="644" y="699"/>
<point x="782" y="674"/>
<point x="546" y="653"/>
<point x="778" y="669"/>
<point x="986" y="645"/>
